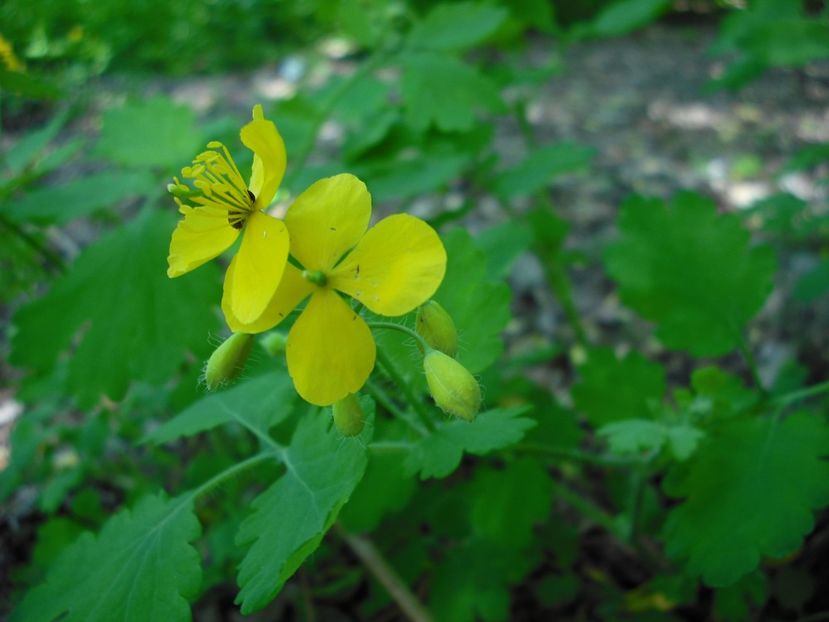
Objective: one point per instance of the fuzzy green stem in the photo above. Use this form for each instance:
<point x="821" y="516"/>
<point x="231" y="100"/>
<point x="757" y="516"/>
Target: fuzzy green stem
<point x="751" y="362"/>
<point x="381" y="397"/>
<point x="231" y="472"/>
<point x="396" y="377"/>
<point x="403" y="329"/>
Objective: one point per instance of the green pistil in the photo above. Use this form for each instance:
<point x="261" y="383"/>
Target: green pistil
<point x="316" y="277"/>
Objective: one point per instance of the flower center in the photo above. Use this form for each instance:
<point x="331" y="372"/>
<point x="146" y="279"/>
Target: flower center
<point x="218" y="178"/>
<point x="317" y="277"/>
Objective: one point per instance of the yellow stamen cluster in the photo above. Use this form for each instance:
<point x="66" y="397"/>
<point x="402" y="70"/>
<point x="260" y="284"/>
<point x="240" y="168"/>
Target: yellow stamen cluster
<point x="221" y="186"/>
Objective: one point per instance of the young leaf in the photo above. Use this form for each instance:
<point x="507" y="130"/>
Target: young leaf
<point x="749" y="491"/>
<point x="457" y="26"/>
<point x="152" y="133"/>
<point x="439" y="89"/>
<point x="140" y="568"/>
<point x="291" y="517"/>
<point x="134" y="322"/>
<point x="261" y="402"/>
<point x="612" y="389"/>
<point x="439" y="454"/>
<point x="690" y="270"/>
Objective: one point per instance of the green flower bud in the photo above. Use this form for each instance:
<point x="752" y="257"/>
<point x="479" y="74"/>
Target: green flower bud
<point x="228" y="360"/>
<point x="435" y="325"/>
<point x="349" y="416"/>
<point x="274" y="343"/>
<point x="453" y="388"/>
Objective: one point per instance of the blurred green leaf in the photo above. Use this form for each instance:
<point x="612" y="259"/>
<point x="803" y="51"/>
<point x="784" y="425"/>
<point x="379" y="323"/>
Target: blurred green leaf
<point x="813" y="284"/>
<point x="473" y="581"/>
<point x="405" y="177"/>
<point x="788" y="42"/>
<point x="507" y="503"/>
<point x="457" y="26"/>
<point x="79" y="197"/>
<point x="139" y="567"/>
<point x="737" y="602"/>
<point x="542" y="166"/>
<point x="438" y="89"/>
<point x="290" y="518"/>
<point x="28" y="85"/>
<point x="748" y="492"/>
<point x="503" y="244"/>
<point x="261" y="402"/>
<point x="613" y="389"/>
<point x="439" y="454"/>
<point x="690" y="270"/>
<point x="633" y="436"/>
<point x="155" y="133"/>
<point x="623" y="17"/>
<point x="29" y="148"/>
<point x="119" y="314"/>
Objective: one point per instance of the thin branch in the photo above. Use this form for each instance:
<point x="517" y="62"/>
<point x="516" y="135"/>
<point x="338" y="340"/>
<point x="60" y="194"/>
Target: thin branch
<point x="364" y="548"/>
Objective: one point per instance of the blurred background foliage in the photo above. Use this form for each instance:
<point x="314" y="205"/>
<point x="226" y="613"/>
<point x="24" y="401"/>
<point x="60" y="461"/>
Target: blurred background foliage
<point x="452" y="111"/>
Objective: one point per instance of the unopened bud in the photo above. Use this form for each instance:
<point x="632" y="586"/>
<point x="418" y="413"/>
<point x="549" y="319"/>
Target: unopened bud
<point x="436" y="327"/>
<point x="454" y="389"/>
<point x="274" y="343"/>
<point x="348" y="415"/>
<point x="228" y="360"/>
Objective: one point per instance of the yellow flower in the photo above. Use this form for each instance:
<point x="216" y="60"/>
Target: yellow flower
<point x="224" y="207"/>
<point x="391" y="269"/>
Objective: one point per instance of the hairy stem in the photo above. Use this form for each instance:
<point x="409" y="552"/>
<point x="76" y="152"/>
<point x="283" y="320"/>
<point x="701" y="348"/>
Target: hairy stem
<point x="414" y="400"/>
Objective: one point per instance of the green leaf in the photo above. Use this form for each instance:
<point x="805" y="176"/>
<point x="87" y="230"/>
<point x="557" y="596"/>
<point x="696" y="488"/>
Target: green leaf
<point x="635" y="436"/>
<point x="456" y="26"/>
<point x="79" y="197"/>
<point x="261" y="402"/>
<point x="789" y="42"/>
<point x="813" y="284"/>
<point x="473" y="582"/>
<point x="503" y="244"/>
<point x="119" y="314"/>
<point x="440" y="90"/>
<point x="439" y="454"/>
<point x="477" y="301"/>
<point x="625" y="16"/>
<point x="507" y="503"/>
<point x="139" y="568"/>
<point x="152" y="133"/>
<point x="28" y="85"/>
<point x="613" y="389"/>
<point x="749" y="491"/>
<point x="690" y="270"/>
<point x="30" y="148"/>
<point x="405" y="177"/>
<point x="542" y="166"/>
<point x="385" y="488"/>
<point x="290" y="518"/>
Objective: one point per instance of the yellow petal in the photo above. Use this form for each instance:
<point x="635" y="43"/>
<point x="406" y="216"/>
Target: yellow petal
<point x="397" y="266"/>
<point x="203" y="233"/>
<point x="262" y="137"/>
<point x="328" y="219"/>
<point x="258" y="267"/>
<point x="292" y="290"/>
<point x="330" y="350"/>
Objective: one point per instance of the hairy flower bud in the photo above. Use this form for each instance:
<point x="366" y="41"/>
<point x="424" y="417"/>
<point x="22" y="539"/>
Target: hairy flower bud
<point x="274" y="342"/>
<point x="348" y="415"/>
<point x="436" y="327"/>
<point x="453" y="388"/>
<point x="228" y="360"/>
